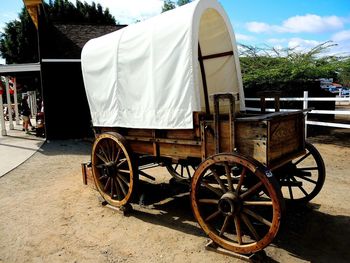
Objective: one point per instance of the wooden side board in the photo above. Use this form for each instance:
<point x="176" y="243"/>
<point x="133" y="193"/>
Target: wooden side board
<point x="268" y="138"/>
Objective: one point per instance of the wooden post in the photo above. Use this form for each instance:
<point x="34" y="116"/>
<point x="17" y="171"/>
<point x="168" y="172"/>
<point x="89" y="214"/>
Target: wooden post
<point x="9" y="104"/>
<point x="15" y="99"/>
<point x="305" y="106"/>
<point x="2" y="120"/>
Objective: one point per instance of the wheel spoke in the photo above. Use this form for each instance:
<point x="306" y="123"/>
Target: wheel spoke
<point x="229" y="179"/>
<point x="188" y="172"/>
<point x="112" y="187"/>
<point x="257" y="217"/>
<point x="224" y="226"/>
<point x="124" y="171"/>
<point x="260" y="203"/>
<point x="308" y="168"/>
<point x="238" y="230"/>
<point x="107" y="184"/>
<point x="182" y="171"/>
<point x="241" y="179"/>
<point x="101" y="157"/>
<point x="121" y="163"/>
<point x="118" y="190"/>
<point x="213" y="215"/>
<point x="123" y="179"/>
<point x="122" y="186"/>
<point x="209" y="201"/>
<point x="108" y="150"/>
<point x="176" y="166"/>
<point x="251" y="190"/>
<point x="290" y="191"/>
<point x="250" y="226"/>
<point x="113" y="150"/>
<point x="300" y="187"/>
<point x="302" y="158"/>
<point x="104" y="153"/>
<point x="118" y="154"/>
<point x="217" y="178"/>
<point x="213" y="189"/>
<point x="102" y="177"/>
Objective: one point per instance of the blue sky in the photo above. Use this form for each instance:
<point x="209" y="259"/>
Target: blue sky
<point x="286" y="23"/>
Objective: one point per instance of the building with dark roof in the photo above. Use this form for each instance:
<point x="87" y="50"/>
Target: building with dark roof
<point x="66" y="109"/>
<point x="67" y="114"/>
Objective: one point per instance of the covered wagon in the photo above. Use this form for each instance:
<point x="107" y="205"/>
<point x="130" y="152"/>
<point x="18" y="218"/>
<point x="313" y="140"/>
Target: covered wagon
<point x="169" y="91"/>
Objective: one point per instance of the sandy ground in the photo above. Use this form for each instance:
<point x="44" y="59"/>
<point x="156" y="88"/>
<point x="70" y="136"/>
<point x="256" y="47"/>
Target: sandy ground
<point x="48" y="215"/>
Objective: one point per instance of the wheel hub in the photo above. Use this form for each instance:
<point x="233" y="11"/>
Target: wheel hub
<point x="110" y="169"/>
<point x="229" y="204"/>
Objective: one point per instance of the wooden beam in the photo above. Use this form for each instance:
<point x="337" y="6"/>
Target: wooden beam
<point x="204" y="80"/>
<point x="218" y="55"/>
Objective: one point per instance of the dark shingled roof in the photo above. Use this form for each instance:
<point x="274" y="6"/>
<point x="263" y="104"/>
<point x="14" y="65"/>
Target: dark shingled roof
<point x="65" y="41"/>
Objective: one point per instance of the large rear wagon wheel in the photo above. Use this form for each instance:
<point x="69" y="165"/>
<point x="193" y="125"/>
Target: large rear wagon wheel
<point x="237" y="202"/>
<point x="113" y="168"/>
<point x="303" y="178"/>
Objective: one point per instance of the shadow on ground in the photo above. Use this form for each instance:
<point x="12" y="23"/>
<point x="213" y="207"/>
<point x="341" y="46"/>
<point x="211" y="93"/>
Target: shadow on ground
<point x="314" y="236"/>
<point x="307" y="233"/>
<point x="61" y="147"/>
<point x="339" y="137"/>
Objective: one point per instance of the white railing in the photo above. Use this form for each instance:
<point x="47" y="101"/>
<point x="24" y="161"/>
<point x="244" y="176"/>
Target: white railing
<point x="305" y="99"/>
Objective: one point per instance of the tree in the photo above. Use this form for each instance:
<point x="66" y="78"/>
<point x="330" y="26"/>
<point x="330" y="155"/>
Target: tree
<point x="168" y="4"/>
<point x="183" y="2"/>
<point x="18" y="43"/>
<point x="271" y="65"/>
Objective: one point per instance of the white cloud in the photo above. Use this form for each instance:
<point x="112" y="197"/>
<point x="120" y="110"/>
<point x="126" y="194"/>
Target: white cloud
<point x="243" y="37"/>
<point x="127" y="12"/>
<point x="341" y="36"/>
<point x="277" y="40"/>
<point x="258" y="27"/>
<point x="308" y="23"/>
<point x="302" y="44"/>
<point x="311" y="23"/>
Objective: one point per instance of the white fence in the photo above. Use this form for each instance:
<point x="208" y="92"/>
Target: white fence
<point x="305" y="99"/>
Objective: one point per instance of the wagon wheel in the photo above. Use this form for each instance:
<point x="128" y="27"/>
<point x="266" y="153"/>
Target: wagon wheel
<point x="181" y="171"/>
<point x="229" y="202"/>
<point x="113" y="168"/>
<point x="302" y="179"/>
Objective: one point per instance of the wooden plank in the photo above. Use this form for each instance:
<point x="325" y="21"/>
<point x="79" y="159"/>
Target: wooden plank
<point x="204" y="80"/>
<point x="256" y="149"/>
<point x="285" y="137"/>
<point x="179" y="151"/>
<point x="161" y="140"/>
<point x="218" y="55"/>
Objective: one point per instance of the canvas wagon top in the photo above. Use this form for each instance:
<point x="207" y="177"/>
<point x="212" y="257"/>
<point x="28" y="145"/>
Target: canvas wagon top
<point x="156" y="73"/>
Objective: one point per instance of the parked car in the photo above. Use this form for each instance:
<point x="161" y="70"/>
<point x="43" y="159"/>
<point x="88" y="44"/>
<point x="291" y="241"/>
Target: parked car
<point x="345" y="92"/>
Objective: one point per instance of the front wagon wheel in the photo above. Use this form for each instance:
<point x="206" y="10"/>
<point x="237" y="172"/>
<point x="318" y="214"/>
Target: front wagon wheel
<point x="237" y="202"/>
<point x="113" y="168"/>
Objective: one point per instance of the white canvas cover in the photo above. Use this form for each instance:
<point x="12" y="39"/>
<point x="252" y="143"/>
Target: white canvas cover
<point x="147" y="75"/>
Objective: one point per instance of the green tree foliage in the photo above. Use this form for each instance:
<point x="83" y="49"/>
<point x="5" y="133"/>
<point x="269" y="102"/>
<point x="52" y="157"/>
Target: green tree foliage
<point x="344" y="72"/>
<point x="183" y="2"/>
<point x="65" y="11"/>
<point x="168" y="4"/>
<point x="271" y="65"/>
<point x="18" y="43"/>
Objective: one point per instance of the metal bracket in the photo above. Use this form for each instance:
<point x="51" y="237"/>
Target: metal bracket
<point x="253" y="257"/>
<point x="124" y="210"/>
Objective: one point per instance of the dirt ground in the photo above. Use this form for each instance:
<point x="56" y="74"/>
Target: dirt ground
<point x="48" y="215"/>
